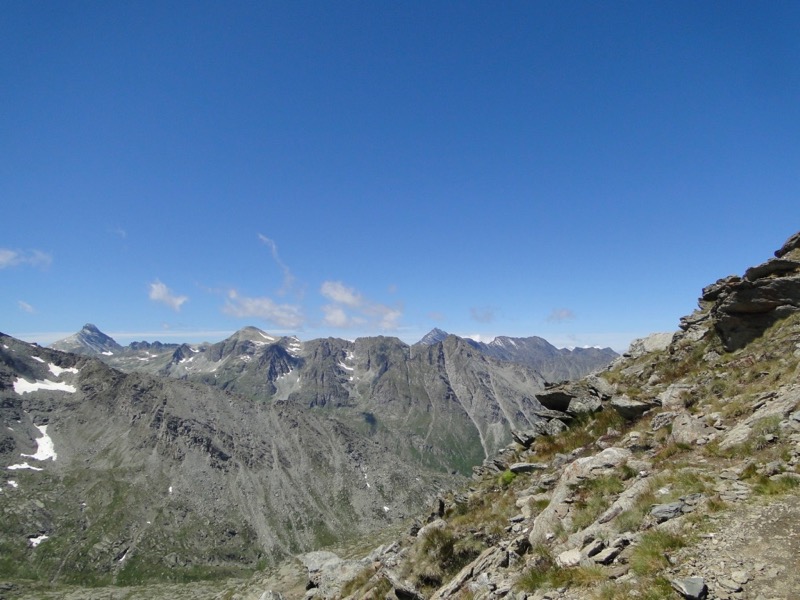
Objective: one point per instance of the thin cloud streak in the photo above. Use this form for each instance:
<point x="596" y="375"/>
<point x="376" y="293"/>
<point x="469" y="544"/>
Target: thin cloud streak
<point x="559" y="315"/>
<point x="25" y="307"/>
<point x="484" y="314"/>
<point x="31" y="258"/>
<point x="288" y="277"/>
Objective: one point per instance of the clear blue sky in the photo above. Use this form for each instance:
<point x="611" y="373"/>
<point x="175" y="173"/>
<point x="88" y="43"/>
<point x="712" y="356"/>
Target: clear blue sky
<point x="573" y="170"/>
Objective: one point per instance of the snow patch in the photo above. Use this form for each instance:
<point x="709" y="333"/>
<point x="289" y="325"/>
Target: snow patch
<point x="170" y="489"/>
<point x="107" y="353"/>
<point x="57" y="371"/>
<point x="385" y="509"/>
<point x="35" y="541"/>
<point x="345" y="367"/>
<point x="37" y="358"/>
<point x="23" y="386"/>
<point x="24" y="465"/>
<point x="13" y="483"/>
<point x="46" y="449"/>
<point x="5" y="346"/>
<point x="246" y="358"/>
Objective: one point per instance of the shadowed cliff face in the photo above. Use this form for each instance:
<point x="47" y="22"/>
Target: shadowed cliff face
<point x="741" y="308"/>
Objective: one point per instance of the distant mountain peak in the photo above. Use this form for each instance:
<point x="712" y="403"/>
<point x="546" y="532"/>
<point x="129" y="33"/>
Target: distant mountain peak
<point x="89" y="340"/>
<point x="434" y="336"/>
<point x="254" y="334"/>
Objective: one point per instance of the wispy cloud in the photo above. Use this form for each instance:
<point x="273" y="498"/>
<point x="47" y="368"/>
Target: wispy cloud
<point x="559" y="315"/>
<point x="340" y="293"/>
<point x="119" y="232"/>
<point x="30" y="258"/>
<point x="336" y="316"/>
<point x="288" y="277"/>
<point x="25" y="307"/>
<point x="350" y="308"/>
<point x="283" y="315"/>
<point x="159" y="292"/>
<point x="484" y="314"/>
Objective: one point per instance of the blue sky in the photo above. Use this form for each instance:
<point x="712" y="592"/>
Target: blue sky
<point x="573" y="170"/>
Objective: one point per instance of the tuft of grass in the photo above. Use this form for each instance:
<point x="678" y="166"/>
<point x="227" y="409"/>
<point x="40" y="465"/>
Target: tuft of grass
<point x="507" y="478"/>
<point x="764" y="432"/>
<point x="582" y="432"/>
<point x="766" y="486"/>
<point x="549" y="575"/>
<point x="359" y="581"/>
<point x="594" y="497"/>
<point x="657" y="588"/>
<point x="650" y="555"/>
<point x="440" y="555"/>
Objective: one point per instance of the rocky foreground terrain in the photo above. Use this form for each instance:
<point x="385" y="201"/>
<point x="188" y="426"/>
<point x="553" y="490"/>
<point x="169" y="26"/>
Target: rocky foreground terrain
<point x="673" y="473"/>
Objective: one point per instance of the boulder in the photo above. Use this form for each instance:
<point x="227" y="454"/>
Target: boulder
<point x="673" y="397"/>
<point x="652" y="343"/>
<point x="584" y="404"/>
<point x="328" y="572"/>
<point x="665" y="512"/>
<point x="688" y="430"/>
<point x="606" y="556"/>
<point x="793" y="243"/>
<point x="630" y="409"/>
<point x="526" y="467"/>
<point x="557" y="398"/>
<point x="569" y="558"/>
<point x="691" y="588"/>
<point x="437" y="524"/>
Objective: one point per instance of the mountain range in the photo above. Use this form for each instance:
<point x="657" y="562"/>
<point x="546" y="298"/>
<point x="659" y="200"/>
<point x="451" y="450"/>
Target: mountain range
<point x="553" y="364"/>
<point x="182" y="462"/>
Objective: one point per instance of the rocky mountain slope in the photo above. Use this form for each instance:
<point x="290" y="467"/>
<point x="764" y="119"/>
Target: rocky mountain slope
<point x="120" y="477"/>
<point x="674" y="473"/>
<point x="554" y="364"/>
<point x="113" y="477"/>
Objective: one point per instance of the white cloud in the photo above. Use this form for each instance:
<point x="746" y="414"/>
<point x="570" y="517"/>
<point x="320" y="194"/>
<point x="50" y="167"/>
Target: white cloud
<point x="24" y="306"/>
<point x="340" y="293"/>
<point x="558" y="315"/>
<point x="288" y="277"/>
<point x="387" y="316"/>
<point x="31" y="258"/>
<point x="335" y="316"/>
<point x="161" y="293"/>
<point x="361" y="310"/>
<point x="479" y="337"/>
<point x="284" y="315"/>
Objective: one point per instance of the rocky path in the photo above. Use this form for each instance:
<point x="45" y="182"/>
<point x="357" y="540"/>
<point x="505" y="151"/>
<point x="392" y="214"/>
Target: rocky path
<point x="754" y="555"/>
